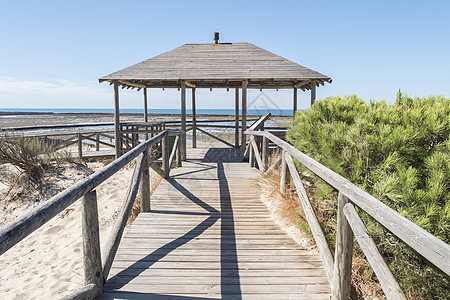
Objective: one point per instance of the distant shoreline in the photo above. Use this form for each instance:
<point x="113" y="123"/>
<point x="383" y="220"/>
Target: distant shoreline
<point x="134" y="112"/>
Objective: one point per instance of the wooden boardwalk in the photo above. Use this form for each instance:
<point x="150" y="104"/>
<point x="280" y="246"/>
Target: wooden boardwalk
<point x="209" y="236"/>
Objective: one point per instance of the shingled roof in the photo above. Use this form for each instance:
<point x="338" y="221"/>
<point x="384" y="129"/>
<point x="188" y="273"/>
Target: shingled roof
<point x="222" y="65"/>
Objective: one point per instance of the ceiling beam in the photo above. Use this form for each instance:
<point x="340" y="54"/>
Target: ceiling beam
<point x="131" y="84"/>
<point x="190" y="84"/>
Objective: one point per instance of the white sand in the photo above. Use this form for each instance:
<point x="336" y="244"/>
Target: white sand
<point x="275" y="203"/>
<point x="48" y="263"/>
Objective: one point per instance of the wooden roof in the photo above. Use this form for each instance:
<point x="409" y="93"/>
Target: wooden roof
<point x="217" y="66"/>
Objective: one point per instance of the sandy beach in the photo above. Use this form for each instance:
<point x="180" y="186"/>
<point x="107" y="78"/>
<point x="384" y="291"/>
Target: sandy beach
<point x="48" y="264"/>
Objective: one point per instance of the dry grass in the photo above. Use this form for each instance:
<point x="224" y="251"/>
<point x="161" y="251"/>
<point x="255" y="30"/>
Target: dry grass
<point x="363" y="286"/>
<point x="285" y="208"/>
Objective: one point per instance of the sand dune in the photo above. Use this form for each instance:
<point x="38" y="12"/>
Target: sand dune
<point x="48" y="263"/>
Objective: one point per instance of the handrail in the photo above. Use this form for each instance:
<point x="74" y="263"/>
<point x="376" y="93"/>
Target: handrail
<point x="17" y="230"/>
<point x="426" y="244"/>
<point x="95" y="272"/>
<point x="429" y="246"/>
<point x="260" y="122"/>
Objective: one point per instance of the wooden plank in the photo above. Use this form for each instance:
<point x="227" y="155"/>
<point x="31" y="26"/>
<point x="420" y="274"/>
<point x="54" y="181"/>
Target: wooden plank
<point x="216" y="289"/>
<point x="217" y="280"/>
<point x="157" y="272"/>
<point x="388" y="282"/>
<point x="206" y="296"/>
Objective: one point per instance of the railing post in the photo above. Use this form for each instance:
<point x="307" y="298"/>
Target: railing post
<point x="194" y="121"/>
<point x="166" y="155"/>
<point x="343" y="254"/>
<point x="264" y="153"/>
<point x="251" y="153"/>
<point x="91" y="241"/>
<point x="97" y="144"/>
<point x="178" y="154"/>
<point x="80" y="146"/>
<point x="145" y="185"/>
<point x="284" y="172"/>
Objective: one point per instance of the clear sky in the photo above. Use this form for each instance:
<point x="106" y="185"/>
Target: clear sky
<point x="53" y="52"/>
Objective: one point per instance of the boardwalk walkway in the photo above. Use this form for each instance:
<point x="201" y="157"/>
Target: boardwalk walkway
<point x="209" y="236"/>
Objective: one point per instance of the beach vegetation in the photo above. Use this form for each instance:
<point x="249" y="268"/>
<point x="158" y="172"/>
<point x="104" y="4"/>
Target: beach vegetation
<point x="28" y="160"/>
<point x="398" y="153"/>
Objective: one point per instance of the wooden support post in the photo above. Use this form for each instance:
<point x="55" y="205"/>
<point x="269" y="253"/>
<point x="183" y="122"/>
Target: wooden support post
<point x="244" y="114"/>
<point x="80" y="146"/>
<point x="165" y="156"/>
<point x="313" y="92"/>
<point x="145" y="105"/>
<point x="236" y="118"/>
<point x="117" y="139"/>
<point x="183" y="120"/>
<point x="135" y="136"/>
<point x="145" y="112"/>
<point x="284" y="172"/>
<point x="295" y="100"/>
<point x="264" y="153"/>
<point x="343" y="254"/>
<point x="97" y="140"/>
<point x="145" y="185"/>
<point x="178" y="155"/>
<point x="194" y="121"/>
<point x="251" y="156"/>
<point x="91" y="240"/>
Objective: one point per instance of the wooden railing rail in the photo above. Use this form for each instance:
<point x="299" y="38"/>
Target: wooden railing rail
<point x="349" y="223"/>
<point x="95" y="272"/>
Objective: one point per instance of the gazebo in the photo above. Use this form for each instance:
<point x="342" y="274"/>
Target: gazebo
<point x="216" y="65"/>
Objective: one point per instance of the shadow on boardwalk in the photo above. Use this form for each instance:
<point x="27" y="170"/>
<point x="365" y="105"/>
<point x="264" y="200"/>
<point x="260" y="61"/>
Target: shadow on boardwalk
<point x="228" y="251"/>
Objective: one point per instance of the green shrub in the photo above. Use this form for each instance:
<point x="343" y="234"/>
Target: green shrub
<point x="400" y="154"/>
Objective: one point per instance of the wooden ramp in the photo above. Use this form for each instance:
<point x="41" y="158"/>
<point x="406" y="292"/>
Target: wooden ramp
<point x="209" y="236"/>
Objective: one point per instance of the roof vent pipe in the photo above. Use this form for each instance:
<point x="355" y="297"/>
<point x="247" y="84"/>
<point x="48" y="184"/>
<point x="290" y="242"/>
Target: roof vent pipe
<point x="216" y="37"/>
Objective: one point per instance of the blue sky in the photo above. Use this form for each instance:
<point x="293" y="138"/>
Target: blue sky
<point x="53" y="52"/>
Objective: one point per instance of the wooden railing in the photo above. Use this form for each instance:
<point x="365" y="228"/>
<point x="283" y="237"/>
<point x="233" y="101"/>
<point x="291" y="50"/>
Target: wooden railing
<point x="130" y="134"/>
<point x="95" y="271"/>
<point x="349" y="223"/>
<point x="60" y="140"/>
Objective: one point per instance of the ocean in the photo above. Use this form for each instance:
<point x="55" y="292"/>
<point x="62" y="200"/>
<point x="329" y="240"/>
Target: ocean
<point x="252" y="112"/>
